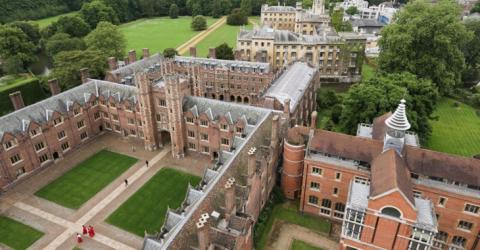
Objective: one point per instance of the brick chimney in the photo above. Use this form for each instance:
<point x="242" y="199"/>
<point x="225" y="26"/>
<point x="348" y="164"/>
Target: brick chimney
<point x="132" y="56"/>
<point x="252" y="164"/>
<point x="274" y="139"/>
<point x="17" y="100"/>
<point x="146" y="52"/>
<point x="230" y="203"/>
<point x="193" y="51"/>
<point x="54" y="86"/>
<point x="112" y="63"/>
<point x="212" y="53"/>
<point x="203" y="233"/>
<point x="84" y="75"/>
<point x="313" y="120"/>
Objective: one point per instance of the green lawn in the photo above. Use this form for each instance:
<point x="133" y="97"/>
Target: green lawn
<point x="146" y="209"/>
<point x="301" y="245"/>
<point x="86" y="179"/>
<point x="17" y="235"/>
<point x="224" y="34"/>
<point x="368" y="71"/>
<point x="46" y="21"/>
<point x="159" y="33"/>
<point x="12" y="81"/>
<point x="457" y="130"/>
<point x="289" y="213"/>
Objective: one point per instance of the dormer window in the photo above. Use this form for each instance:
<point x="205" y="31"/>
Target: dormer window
<point x="239" y="130"/>
<point x="392" y="212"/>
<point x="35" y="132"/>
<point x="204" y="123"/>
<point x="58" y="121"/>
<point x="76" y="111"/>
<point x="223" y="126"/>
<point x="190" y="120"/>
<point x="103" y="102"/>
<point x="10" y="144"/>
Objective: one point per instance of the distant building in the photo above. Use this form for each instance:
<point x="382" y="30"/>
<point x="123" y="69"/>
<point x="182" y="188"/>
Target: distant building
<point x="366" y="26"/>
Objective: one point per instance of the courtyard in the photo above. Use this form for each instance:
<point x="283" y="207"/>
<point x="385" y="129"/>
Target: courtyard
<point x="9" y="231"/>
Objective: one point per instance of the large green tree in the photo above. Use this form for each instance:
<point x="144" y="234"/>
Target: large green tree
<point x="96" y="11"/>
<point x="223" y="51"/>
<point x="382" y="93"/>
<point x="173" y="11"/>
<point x="246" y="7"/>
<point x="63" y="42"/>
<point x="107" y="39"/>
<point x="426" y="40"/>
<point x="30" y="29"/>
<point x="67" y="65"/>
<point x="471" y="52"/>
<point x="199" y="23"/>
<point x="16" y="47"/>
<point x="75" y="26"/>
<point x="338" y="23"/>
<point x="476" y="8"/>
<point x="237" y="17"/>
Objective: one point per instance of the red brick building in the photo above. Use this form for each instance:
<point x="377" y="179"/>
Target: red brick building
<point x="387" y="192"/>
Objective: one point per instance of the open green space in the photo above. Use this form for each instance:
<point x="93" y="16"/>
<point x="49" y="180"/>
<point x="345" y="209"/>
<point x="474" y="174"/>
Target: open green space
<point x="159" y="33"/>
<point x="86" y="179"/>
<point x="457" y="130"/>
<point x="146" y="209"/>
<point x="301" y="245"/>
<point x="17" y="235"/>
<point x="289" y="213"/>
<point x="29" y="86"/>
<point x="224" y="34"/>
<point x="44" y="22"/>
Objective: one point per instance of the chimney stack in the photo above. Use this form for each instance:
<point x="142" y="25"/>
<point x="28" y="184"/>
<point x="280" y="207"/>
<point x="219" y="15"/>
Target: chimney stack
<point x="17" y="100"/>
<point x="252" y="163"/>
<point x="112" y="63"/>
<point x="54" y="86"/>
<point x="286" y="107"/>
<point x="193" y="51"/>
<point x="203" y="233"/>
<point x="146" y="52"/>
<point x="212" y="53"/>
<point x="230" y="203"/>
<point x="132" y="56"/>
<point x="313" y="120"/>
<point x="84" y="75"/>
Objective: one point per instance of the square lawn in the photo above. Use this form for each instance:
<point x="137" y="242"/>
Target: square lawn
<point x="86" y="179"/>
<point x="145" y="210"/>
<point x="17" y="235"/>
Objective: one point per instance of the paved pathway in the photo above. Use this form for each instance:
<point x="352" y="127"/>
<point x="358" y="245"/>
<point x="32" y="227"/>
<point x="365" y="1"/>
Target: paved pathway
<point x="184" y="48"/>
<point x="73" y="227"/>
<point x="288" y="232"/>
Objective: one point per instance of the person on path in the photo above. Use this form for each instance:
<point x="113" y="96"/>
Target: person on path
<point x="79" y="238"/>
<point x="126" y="182"/>
<point x="91" y="231"/>
<point x="84" y="229"/>
<point x="146" y="162"/>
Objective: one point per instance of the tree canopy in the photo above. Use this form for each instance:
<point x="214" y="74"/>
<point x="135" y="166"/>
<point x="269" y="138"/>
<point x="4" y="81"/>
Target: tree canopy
<point x="30" y="29"/>
<point x="476" y="8"/>
<point x="170" y="52"/>
<point x="246" y="7"/>
<point x="225" y="52"/>
<point x="96" y="11"/>
<point x="352" y="10"/>
<point x="16" y="47"/>
<point x="63" y="42"/>
<point x="426" y="40"/>
<point x="107" y="39"/>
<point x="199" y="23"/>
<point x="338" y="23"/>
<point x="173" y="11"/>
<point x="471" y="51"/>
<point x="237" y="17"/>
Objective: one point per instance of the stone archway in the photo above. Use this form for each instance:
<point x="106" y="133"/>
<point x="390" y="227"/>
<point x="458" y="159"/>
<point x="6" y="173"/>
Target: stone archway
<point x="164" y="138"/>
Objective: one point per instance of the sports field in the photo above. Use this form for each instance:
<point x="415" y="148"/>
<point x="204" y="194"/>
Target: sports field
<point x="224" y="34"/>
<point x="457" y="130"/>
<point x="159" y="33"/>
<point x="17" y="235"/>
<point x="44" y="22"/>
<point x="82" y="182"/>
<point x="146" y="209"/>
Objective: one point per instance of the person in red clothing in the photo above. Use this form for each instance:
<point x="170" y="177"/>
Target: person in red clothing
<point x="79" y="238"/>
<point x="91" y="231"/>
<point x="84" y="229"/>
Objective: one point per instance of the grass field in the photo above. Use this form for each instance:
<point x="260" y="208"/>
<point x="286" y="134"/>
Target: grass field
<point x="301" y="245"/>
<point x="44" y="22"/>
<point x="288" y="212"/>
<point x="224" y="34"/>
<point x="86" y="179"/>
<point x="17" y="235"/>
<point x="12" y="81"/>
<point x="146" y="209"/>
<point x="457" y="130"/>
<point x="159" y="33"/>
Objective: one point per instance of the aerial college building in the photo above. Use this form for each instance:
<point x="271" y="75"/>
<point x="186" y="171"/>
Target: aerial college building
<point x="387" y="192"/>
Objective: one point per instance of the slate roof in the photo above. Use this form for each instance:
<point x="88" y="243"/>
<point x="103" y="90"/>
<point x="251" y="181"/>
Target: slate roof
<point x="285" y="36"/>
<point x="279" y="9"/>
<point x="41" y="112"/>
<point x="227" y="64"/>
<point x="366" y="23"/>
<point x="138" y="66"/>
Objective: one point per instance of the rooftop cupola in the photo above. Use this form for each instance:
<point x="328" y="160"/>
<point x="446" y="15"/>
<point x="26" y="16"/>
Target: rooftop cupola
<point x="397" y="125"/>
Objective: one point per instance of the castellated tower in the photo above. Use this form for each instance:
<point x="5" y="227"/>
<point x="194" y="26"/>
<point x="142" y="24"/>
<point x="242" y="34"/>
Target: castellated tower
<point x="147" y="109"/>
<point x="318" y="7"/>
<point x="176" y="88"/>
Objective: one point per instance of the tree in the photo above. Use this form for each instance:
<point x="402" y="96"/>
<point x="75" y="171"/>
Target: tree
<point x="173" y="11"/>
<point x="121" y="9"/>
<point x="170" y="52"/>
<point x="67" y="65"/>
<point x="13" y="66"/>
<point x="223" y="51"/>
<point x="246" y="7"/>
<point x="218" y="8"/>
<point x="63" y="42"/>
<point x="30" y="29"/>
<point x="471" y="51"/>
<point x="96" y="11"/>
<point x="326" y="98"/>
<point x="352" y="10"/>
<point x="426" y="40"/>
<point x="237" y="18"/>
<point x="15" y="43"/>
<point x="476" y="8"/>
<point x="72" y="25"/>
<point x="307" y="4"/>
<point x="107" y="39"/>
<point x="382" y="93"/>
<point x="338" y="23"/>
<point x="199" y="23"/>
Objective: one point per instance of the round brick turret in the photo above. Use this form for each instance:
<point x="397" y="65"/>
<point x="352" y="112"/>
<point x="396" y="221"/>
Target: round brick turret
<point x="293" y="156"/>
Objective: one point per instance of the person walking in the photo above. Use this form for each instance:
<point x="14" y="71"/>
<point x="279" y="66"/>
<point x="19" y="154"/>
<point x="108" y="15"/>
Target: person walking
<point x="79" y="238"/>
<point x="146" y="163"/>
<point x="126" y="182"/>
<point x="91" y="231"/>
<point x="84" y="230"/>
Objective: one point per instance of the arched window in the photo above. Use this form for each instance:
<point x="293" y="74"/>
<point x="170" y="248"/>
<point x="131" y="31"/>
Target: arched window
<point x="392" y="212"/>
<point x="239" y="99"/>
<point x="232" y="98"/>
<point x="221" y="97"/>
<point x="245" y="100"/>
<point x="214" y="96"/>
